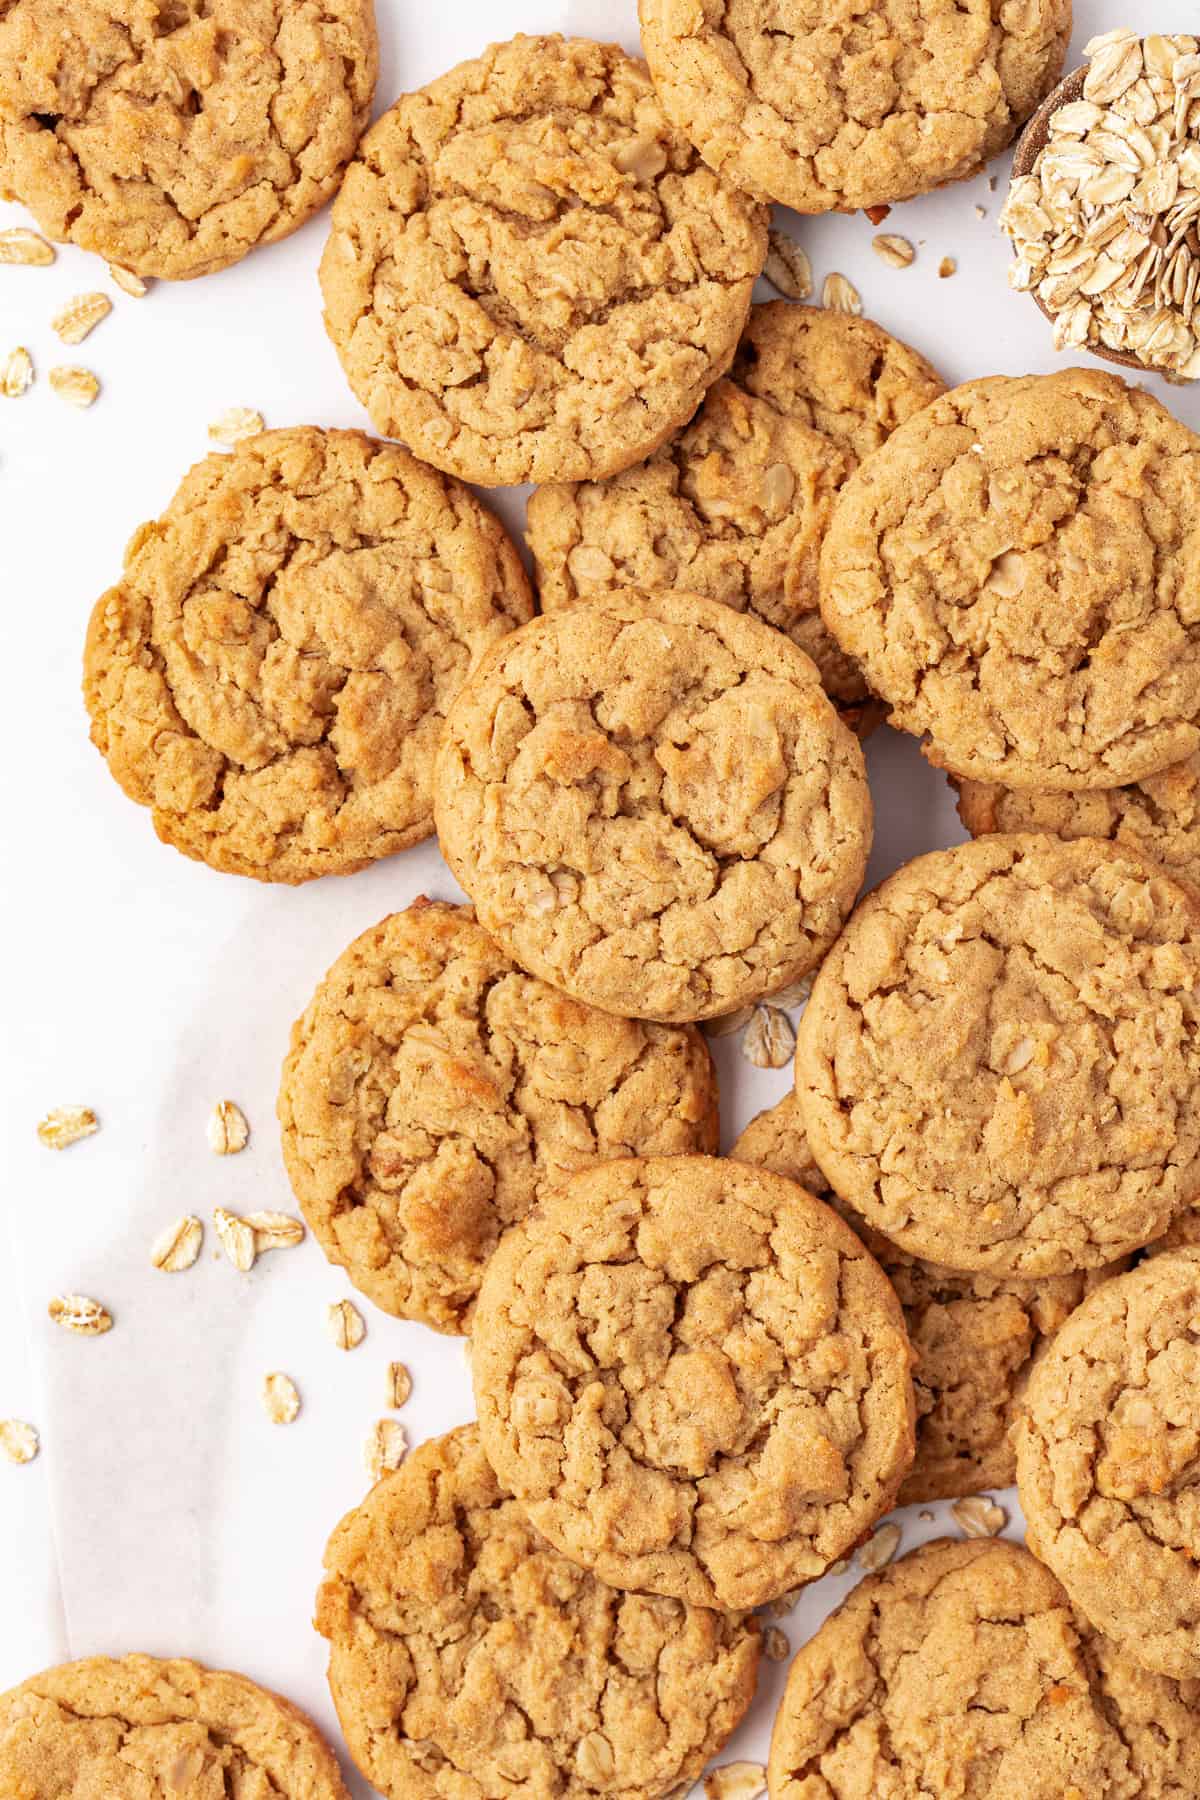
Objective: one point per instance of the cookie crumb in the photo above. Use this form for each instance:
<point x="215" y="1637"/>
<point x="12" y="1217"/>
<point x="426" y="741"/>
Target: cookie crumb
<point x="896" y="251"/>
<point x="770" y="1039"/>
<point x="979" y="1516"/>
<point x="947" y="267"/>
<point x="75" y="1312"/>
<point x="384" y="1448"/>
<point x="787" y="267"/>
<point x="981" y="212"/>
<point x="73" y="321"/>
<point x="839" y="294"/>
<point x="237" y="1239"/>
<point x="128" y="282"/>
<point x="344" y="1324"/>
<point x="736" y="1781"/>
<point x="16" y="373"/>
<point x="67" y="1125"/>
<point x="28" y="247"/>
<point x="227" y="1129"/>
<point x="775" y="1644"/>
<point x="877" y="214"/>
<point x="399" y="1385"/>
<point x="77" y="386"/>
<point x="280" y="1398"/>
<point x="925" y="1516"/>
<point x="879" y="1550"/>
<point x="177" y="1245"/>
<point x="18" y="1441"/>
<point x="275" y="1231"/>
<point x="235" y="425"/>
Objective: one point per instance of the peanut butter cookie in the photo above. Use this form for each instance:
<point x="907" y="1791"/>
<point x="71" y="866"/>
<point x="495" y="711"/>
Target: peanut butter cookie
<point x="271" y="672"/>
<point x="962" y="1671"/>
<point x="832" y="104"/>
<point x="467" y="1657"/>
<point x="694" y="1378"/>
<point x="653" y="805"/>
<point x="1108" y="1461"/>
<point x="172" y="138"/>
<point x="736" y="506"/>
<point x="999" y="1067"/>
<point x="432" y="1091"/>
<point x="135" y="1728"/>
<point x="1017" y="570"/>
<point x="531" y="275"/>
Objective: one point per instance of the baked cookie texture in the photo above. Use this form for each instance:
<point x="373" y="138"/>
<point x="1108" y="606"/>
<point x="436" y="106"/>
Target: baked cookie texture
<point x="135" y="1727"/>
<point x="975" y="1337"/>
<point x="467" y="1657"/>
<point x="1017" y="570"/>
<point x="694" y="1378"/>
<point x="531" y="276"/>
<point x="1108" y="1458"/>
<point x="961" y="1670"/>
<point x="831" y="104"/>
<point x="173" y="138"/>
<point x="653" y="806"/>
<point x="999" y="1066"/>
<point x="737" y="505"/>
<point x="432" y="1092"/>
<point x="271" y="672"/>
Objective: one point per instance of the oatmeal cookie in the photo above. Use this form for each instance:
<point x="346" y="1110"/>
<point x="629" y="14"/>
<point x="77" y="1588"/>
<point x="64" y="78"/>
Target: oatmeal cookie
<point x="1108" y="1461"/>
<point x="531" y="276"/>
<point x="653" y="805"/>
<point x="1017" y="570"/>
<point x="736" y="506"/>
<point x="468" y="1658"/>
<point x="135" y="1727"/>
<point x="830" y="105"/>
<point x="694" y="1378"/>
<point x="962" y="1671"/>
<point x="432" y="1091"/>
<point x="999" y="1067"/>
<point x="172" y="138"/>
<point x="271" y="672"/>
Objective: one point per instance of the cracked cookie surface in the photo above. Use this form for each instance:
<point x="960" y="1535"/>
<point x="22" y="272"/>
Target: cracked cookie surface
<point x="653" y="805"/>
<point x="173" y="137"/>
<point x="694" y="1378"/>
<point x="1018" y="572"/>
<point x="830" y="105"/>
<point x="736" y="506"/>
<point x="137" y="1728"/>
<point x="467" y="1657"/>
<point x="961" y="1670"/>
<point x="531" y="276"/>
<point x="975" y="1336"/>
<point x="432" y="1091"/>
<point x="999" y="1066"/>
<point x="271" y="672"/>
<point x="1108" y="1461"/>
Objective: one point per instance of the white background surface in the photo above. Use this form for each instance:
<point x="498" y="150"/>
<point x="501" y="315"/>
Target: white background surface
<point x="165" y="1513"/>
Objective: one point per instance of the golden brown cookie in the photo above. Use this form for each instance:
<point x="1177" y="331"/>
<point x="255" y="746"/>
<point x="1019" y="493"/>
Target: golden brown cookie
<point x="836" y="104"/>
<point x="962" y="1671"/>
<point x="736" y="506"/>
<point x="271" y="672"/>
<point x="469" y="1659"/>
<point x="694" y="1378"/>
<point x="432" y="1091"/>
<point x="1016" y="571"/>
<point x="653" y="805"/>
<point x="999" y="1067"/>
<point x="1108" y="1461"/>
<point x="531" y="276"/>
<point x="172" y="138"/>
<point x="975" y="1336"/>
<point x="135" y="1728"/>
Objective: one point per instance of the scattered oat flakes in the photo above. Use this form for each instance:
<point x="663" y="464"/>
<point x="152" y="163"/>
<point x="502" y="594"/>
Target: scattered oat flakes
<point x="979" y="1516"/>
<point x="879" y="1550"/>
<point x="227" y="1129"/>
<point x="775" y="1644"/>
<point x="275" y="1230"/>
<point x="839" y="294"/>
<point x="177" y="1245"/>
<point x="728" y="1023"/>
<point x="66" y="1125"/>
<point x="73" y="321"/>
<point x="399" y="1385"/>
<point x="280" y="1398"/>
<point x="75" y="1312"/>
<point x="839" y="1567"/>
<point x="795" y="994"/>
<point x="981" y="212"/>
<point x="947" y="267"/>
<point x="29" y="247"/>
<point x="128" y="282"/>
<point x="344" y="1323"/>
<point x="18" y="1441"/>
<point x="78" y="387"/>
<point x="466" y="1354"/>
<point x="783" y="1603"/>
<point x="736" y="1781"/>
<point x="16" y="373"/>
<point x="234" y="425"/>
<point x="384" y="1448"/>
<point x="787" y="267"/>
<point x="770" y="1038"/>
<point x="896" y="251"/>
<point x="237" y="1239"/>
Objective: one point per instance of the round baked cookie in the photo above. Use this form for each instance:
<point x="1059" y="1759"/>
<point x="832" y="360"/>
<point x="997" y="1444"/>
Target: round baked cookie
<point x="831" y="105"/>
<point x="1016" y="570"/>
<point x="530" y="275"/>
<point x="134" y="1727"/>
<point x="962" y="1671"/>
<point x="173" y="138"/>
<point x="1108" y="1461"/>
<point x="694" y="1378"/>
<point x="975" y="1336"/>
<point x="467" y="1657"/>
<point x="653" y="805"/>
<point x="432" y="1091"/>
<point x="271" y="672"/>
<point x="999" y="1066"/>
<point x="736" y="506"/>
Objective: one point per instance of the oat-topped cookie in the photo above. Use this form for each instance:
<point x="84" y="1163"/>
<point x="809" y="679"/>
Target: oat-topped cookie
<point x="271" y="672"/>
<point x="172" y="138"/>
<point x="467" y="1657"/>
<point x="531" y="275"/>
<point x="694" y="1378"/>
<point x="1018" y="571"/>
<point x="837" y="104"/>
<point x="136" y="1728"/>
<point x="999" y="1067"/>
<point x="737" y="505"/>
<point x="432" y="1091"/>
